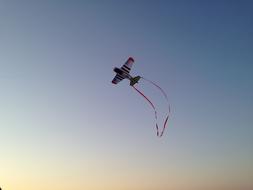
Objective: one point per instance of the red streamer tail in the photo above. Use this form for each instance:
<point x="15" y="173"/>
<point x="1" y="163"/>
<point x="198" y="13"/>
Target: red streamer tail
<point x="152" y="105"/>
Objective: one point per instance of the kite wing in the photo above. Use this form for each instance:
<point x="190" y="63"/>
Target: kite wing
<point x="117" y="79"/>
<point x="123" y="72"/>
<point x="128" y="65"/>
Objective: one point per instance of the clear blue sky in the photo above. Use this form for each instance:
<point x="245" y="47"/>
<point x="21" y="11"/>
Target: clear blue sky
<point x="64" y="125"/>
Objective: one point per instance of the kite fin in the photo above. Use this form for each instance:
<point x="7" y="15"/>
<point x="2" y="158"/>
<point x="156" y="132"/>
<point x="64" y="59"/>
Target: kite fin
<point x="134" y="80"/>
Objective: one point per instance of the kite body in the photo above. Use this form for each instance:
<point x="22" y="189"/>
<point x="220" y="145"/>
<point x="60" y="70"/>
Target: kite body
<point x="124" y="73"/>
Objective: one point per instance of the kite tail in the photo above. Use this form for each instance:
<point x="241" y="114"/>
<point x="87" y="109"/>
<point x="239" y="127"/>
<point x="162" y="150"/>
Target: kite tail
<point x="152" y="105"/>
<point x="163" y="92"/>
<point x="166" y="97"/>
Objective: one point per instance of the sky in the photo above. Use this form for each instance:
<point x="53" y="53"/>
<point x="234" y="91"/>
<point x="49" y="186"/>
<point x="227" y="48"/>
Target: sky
<point x="63" y="125"/>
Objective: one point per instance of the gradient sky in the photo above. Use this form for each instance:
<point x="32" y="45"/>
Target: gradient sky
<point x="63" y="125"/>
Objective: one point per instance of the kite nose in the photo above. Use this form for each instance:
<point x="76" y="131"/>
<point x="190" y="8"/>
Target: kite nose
<point x="130" y="58"/>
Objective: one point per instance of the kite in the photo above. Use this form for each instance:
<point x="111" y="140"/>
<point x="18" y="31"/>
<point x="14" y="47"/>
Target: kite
<point x="124" y="73"/>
